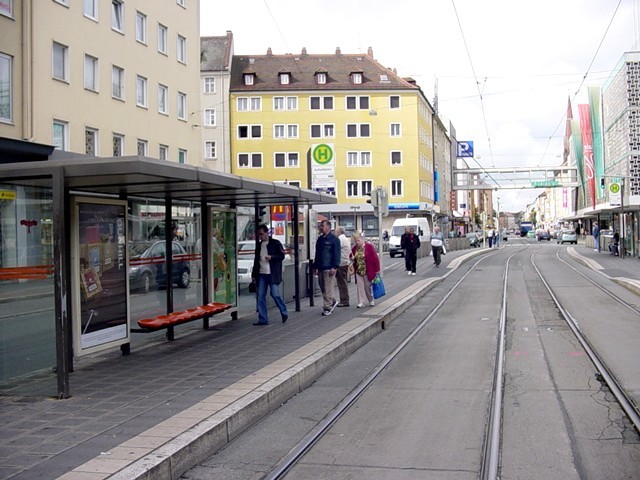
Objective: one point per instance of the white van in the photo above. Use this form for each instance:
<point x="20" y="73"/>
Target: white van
<point x="420" y="226"/>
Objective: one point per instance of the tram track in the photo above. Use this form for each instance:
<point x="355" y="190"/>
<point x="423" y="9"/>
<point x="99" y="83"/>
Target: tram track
<point x="622" y="397"/>
<point x="490" y="462"/>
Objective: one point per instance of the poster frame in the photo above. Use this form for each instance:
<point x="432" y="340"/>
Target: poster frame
<point x="78" y="278"/>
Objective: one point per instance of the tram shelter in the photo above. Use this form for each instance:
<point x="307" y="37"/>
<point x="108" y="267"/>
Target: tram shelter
<point x="77" y="236"/>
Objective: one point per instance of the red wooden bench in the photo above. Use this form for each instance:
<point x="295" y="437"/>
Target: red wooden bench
<point x="170" y="320"/>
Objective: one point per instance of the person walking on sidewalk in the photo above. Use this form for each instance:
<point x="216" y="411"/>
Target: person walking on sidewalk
<point x="412" y="244"/>
<point x="403" y="246"/>
<point x="267" y="273"/>
<point x="366" y="265"/>
<point x="437" y="241"/>
<point x="490" y="236"/>
<point x="326" y="263"/>
<point x="596" y="236"/>
<point x="342" y="274"/>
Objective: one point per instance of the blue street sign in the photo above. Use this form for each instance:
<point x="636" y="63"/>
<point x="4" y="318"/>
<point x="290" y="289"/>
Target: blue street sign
<point x="465" y="149"/>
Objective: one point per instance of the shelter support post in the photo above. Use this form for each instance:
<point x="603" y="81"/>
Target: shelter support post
<point x="296" y="249"/>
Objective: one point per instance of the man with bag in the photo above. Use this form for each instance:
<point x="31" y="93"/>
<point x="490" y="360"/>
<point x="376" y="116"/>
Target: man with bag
<point x="437" y="245"/>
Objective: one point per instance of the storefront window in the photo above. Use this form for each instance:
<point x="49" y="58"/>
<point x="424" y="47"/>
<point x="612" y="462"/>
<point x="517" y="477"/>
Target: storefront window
<point x="27" y="324"/>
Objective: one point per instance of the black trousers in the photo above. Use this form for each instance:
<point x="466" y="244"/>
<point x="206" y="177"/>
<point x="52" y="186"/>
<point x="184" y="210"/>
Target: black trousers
<point x="437" y="252"/>
<point x="411" y="258"/>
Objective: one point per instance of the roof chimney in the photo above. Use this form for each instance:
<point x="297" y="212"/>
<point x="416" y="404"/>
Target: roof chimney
<point x="338" y="52"/>
<point x="370" y="52"/>
<point x="304" y="50"/>
<point x="269" y="52"/>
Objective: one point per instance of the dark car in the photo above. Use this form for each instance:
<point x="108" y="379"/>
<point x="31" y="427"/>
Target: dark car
<point x="148" y="268"/>
<point x="544" y="235"/>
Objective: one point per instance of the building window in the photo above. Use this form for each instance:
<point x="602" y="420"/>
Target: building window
<point x="141" y="27"/>
<point x="162" y="38"/>
<point x="352" y="188"/>
<point x="6" y="88"/>
<point x="163" y="152"/>
<point x="182" y="106"/>
<point x="60" y="62"/>
<point x="356" y="78"/>
<point x="321" y="103"/>
<point x="321" y="78"/>
<point x="245" y="103"/>
<point x="117" y="15"/>
<point x="181" y="53"/>
<point x="182" y="156"/>
<point x="141" y="91"/>
<point x="396" y="158"/>
<point x="91" y="141"/>
<point x="60" y="135"/>
<point x="355" y="130"/>
<point x="209" y="85"/>
<point x="210" y="150"/>
<point x="6" y="8"/>
<point x="256" y="104"/>
<point x="290" y="160"/>
<point x="248" y="78"/>
<point x="280" y="160"/>
<point x="292" y="131"/>
<point x="278" y="103"/>
<point x="394" y="101"/>
<point x="210" y="117"/>
<point x="90" y="9"/>
<point x="354" y="103"/>
<point x="284" y="79"/>
<point x="285" y="103"/>
<point x="242" y="104"/>
<point x="249" y="160"/>
<point x="315" y="131"/>
<point x="163" y="95"/>
<point x="292" y="103"/>
<point x="142" y="147"/>
<point x="249" y="131"/>
<point x="91" y="73"/>
<point x="329" y="130"/>
<point x="358" y="159"/>
<point x="396" y="188"/>
<point x="118" y="145"/>
<point x="366" y="186"/>
<point x="278" y="131"/>
<point x="117" y="82"/>
<point x="394" y="129"/>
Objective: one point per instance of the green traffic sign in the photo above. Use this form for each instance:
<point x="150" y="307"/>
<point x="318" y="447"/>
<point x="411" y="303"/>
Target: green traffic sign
<point x="322" y="154"/>
<point x="614" y="187"/>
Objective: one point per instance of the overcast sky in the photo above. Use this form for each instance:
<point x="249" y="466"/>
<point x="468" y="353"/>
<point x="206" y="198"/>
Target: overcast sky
<point x="528" y="58"/>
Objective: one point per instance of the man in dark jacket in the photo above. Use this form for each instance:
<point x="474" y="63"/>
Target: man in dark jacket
<point x="326" y="263"/>
<point x="403" y="245"/>
<point x="411" y="246"/>
<point x="267" y="273"/>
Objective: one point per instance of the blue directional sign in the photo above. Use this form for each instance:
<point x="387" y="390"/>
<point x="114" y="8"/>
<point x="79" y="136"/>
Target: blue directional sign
<point x="465" y="149"/>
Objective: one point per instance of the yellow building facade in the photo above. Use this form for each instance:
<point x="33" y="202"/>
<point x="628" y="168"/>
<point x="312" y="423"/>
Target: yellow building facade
<point x="105" y="78"/>
<point x="379" y="127"/>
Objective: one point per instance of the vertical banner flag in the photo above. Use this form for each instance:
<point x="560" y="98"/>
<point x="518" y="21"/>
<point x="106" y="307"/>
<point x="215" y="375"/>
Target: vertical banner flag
<point x="595" y="104"/>
<point x="576" y="140"/>
<point x="587" y="150"/>
<point x="567" y="134"/>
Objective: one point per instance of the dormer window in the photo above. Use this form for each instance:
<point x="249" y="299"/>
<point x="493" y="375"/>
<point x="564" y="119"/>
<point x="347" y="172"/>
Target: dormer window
<point x="356" y="78"/>
<point x="249" y="78"/>
<point x="321" y="78"/>
<point x="285" y="78"/>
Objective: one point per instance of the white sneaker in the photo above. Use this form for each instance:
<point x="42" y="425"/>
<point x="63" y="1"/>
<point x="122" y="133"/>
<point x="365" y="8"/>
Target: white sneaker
<point x="372" y="303"/>
<point x="408" y="273"/>
<point x="413" y="273"/>
<point x="360" y="305"/>
<point x="595" y="249"/>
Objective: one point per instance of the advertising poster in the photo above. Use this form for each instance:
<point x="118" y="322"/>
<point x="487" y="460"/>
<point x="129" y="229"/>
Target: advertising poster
<point x="223" y="254"/>
<point x="101" y="317"/>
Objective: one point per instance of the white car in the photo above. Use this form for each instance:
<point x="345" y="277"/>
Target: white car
<point x="246" y="254"/>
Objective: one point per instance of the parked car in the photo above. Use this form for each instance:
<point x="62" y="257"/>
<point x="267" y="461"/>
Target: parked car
<point x="531" y="234"/>
<point x="474" y="239"/>
<point x="246" y="254"/>
<point x="147" y="266"/>
<point x="567" y="236"/>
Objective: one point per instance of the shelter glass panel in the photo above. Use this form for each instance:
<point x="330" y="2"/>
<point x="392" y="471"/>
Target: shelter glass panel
<point x="27" y="328"/>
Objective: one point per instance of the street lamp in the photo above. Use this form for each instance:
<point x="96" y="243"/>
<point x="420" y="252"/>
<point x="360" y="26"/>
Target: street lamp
<point x="355" y="208"/>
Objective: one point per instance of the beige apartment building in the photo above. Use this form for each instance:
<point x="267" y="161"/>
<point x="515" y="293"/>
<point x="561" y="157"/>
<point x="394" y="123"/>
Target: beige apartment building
<point x="215" y="74"/>
<point x="102" y="77"/>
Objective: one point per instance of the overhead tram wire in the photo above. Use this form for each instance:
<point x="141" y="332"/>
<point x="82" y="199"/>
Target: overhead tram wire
<point x="584" y="78"/>
<point x="484" y="116"/>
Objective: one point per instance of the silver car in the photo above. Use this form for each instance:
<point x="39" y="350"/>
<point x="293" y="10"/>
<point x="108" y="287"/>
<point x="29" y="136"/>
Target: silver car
<point x="568" y="236"/>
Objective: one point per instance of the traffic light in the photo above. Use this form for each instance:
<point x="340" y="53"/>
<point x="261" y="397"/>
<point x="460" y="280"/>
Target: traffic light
<point x="602" y="183"/>
<point x="261" y="212"/>
<point x="374" y="198"/>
